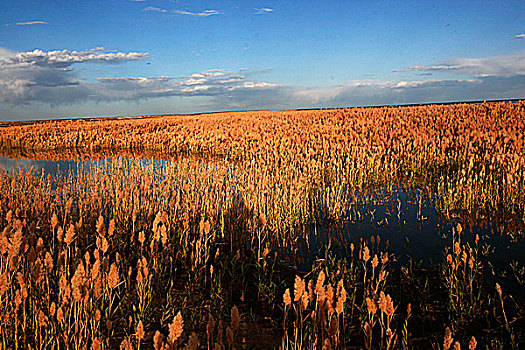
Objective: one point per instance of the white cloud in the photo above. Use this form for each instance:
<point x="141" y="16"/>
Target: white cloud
<point x="204" y="13"/>
<point x="520" y="36"/>
<point x="62" y="58"/>
<point x="39" y="78"/>
<point x="6" y="53"/>
<point x="236" y="90"/>
<point x="478" y="67"/>
<point x="252" y="85"/>
<point x="378" y="92"/>
<point x="30" y="23"/>
<point x="261" y="11"/>
<point x="208" y="83"/>
<point x="154" y="9"/>
<point x="48" y="76"/>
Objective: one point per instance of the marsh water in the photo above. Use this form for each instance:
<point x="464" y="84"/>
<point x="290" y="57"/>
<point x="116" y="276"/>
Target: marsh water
<point x="416" y="233"/>
<point x="403" y="222"/>
<point x="53" y="167"/>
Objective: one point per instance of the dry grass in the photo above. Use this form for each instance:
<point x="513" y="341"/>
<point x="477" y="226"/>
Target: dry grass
<point x="135" y="254"/>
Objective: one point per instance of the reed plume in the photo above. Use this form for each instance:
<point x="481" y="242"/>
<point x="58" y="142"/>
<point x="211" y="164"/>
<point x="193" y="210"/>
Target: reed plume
<point x="175" y="328"/>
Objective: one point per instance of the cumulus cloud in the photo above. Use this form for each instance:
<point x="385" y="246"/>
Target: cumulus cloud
<point x="208" y="83"/>
<point x="48" y="76"/>
<point x="204" y="13"/>
<point x="62" y="58"/>
<point x="520" y="36"/>
<point x="377" y="92"/>
<point x="28" y="79"/>
<point x="262" y="11"/>
<point x="229" y="90"/>
<point x="30" y="23"/>
<point x="478" y="67"/>
<point x="154" y="9"/>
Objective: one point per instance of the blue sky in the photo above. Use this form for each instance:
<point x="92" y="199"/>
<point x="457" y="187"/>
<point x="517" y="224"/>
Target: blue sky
<point x="123" y="57"/>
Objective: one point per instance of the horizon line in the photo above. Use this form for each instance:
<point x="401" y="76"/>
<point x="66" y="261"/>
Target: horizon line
<point x="4" y="123"/>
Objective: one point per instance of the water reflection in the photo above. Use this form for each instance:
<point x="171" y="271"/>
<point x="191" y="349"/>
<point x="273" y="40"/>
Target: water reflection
<point x="407" y="220"/>
<point x="406" y="223"/>
<point x="64" y="167"/>
<point x="416" y="233"/>
<point x="53" y="167"/>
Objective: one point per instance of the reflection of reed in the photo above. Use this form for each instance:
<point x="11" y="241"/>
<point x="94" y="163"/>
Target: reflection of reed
<point x="15" y="165"/>
<point x="79" y="154"/>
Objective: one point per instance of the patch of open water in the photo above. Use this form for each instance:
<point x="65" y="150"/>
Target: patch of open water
<point x="408" y="225"/>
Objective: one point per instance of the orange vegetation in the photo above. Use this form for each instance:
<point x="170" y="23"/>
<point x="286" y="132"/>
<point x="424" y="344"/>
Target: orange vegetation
<point x="129" y="254"/>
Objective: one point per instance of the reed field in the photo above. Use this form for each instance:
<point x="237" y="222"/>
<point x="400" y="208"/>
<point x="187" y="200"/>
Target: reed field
<point x="256" y="230"/>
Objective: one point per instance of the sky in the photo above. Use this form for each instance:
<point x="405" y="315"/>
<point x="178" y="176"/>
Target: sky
<point x="63" y="59"/>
